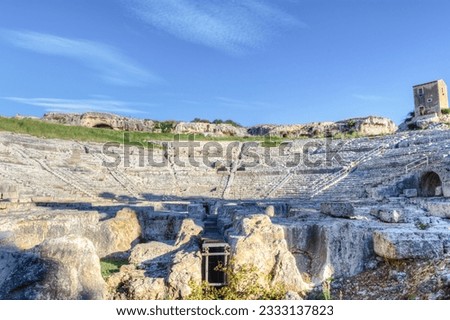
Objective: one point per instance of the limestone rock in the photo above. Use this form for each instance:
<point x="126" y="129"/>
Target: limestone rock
<point x="388" y="215"/>
<point x="338" y="209"/>
<point x="373" y="126"/>
<point x="136" y="284"/>
<point x="210" y="129"/>
<point x="145" y="253"/>
<point x="186" y="268"/>
<point x="119" y="233"/>
<point x="438" y="209"/>
<point x="369" y="126"/>
<point x="270" y="211"/>
<point x="100" y="120"/>
<point x="189" y="229"/>
<point x="75" y="271"/>
<point x="400" y="244"/>
<point x="63" y="268"/>
<point x="258" y="242"/>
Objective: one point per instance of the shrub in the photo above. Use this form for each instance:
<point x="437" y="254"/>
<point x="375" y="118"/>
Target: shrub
<point x="110" y="266"/>
<point x="351" y="123"/>
<point x="230" y="122"/>
<point x="165" y="126"/>
<point x="244" y="283"/>
<point x="445" y="111"/>
<point x="201" y="120"/>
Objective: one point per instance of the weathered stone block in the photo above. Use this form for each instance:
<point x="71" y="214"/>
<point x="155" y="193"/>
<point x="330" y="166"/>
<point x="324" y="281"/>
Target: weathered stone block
<point x="388" y="215"/>
<point x="438" y="209"/>
<point x="338" y="209"/>
<point x="410" y="193"/>
<point x="401" y="244"/>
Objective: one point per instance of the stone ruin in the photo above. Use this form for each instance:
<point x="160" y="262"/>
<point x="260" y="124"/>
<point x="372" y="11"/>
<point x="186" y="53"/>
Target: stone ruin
<point x="370" y="213"/>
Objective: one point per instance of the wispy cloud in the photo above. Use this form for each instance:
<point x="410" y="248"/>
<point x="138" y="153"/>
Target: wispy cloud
<point x="231" y="26"/>
<point x="368" y="97"/>
<point x="108" y="62"/>
<point x="82" y="105"/>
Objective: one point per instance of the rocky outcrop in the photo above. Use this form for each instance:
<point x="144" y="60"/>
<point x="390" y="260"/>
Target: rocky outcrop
<point x="258" y="242"/>
<point x="136" y="284"/>
<point x="118" y="234"/>
<point x="185" y="269"/>
<point x="63" y="268"/>
<point x="369" y="126"/>
<point x="100" y="120"/>
<point x="210" y="129"/>
<point x="112" y="235"/>
<point x="159" y="270"/>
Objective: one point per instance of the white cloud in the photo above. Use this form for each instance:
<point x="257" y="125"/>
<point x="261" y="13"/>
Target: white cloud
<point x="231" y="26"/>
<point x="82" y="105"/>
<point x="111" y="65"/>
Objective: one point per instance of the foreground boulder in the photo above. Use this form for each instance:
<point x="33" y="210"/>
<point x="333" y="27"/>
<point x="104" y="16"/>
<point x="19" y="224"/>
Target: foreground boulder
<point x="117" y="234"/>
<point x="64" y="268"/>
<point x="260" y="243"/>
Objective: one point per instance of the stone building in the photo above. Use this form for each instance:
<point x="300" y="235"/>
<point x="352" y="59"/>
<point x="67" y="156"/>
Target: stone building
<point x="430" y="98"/>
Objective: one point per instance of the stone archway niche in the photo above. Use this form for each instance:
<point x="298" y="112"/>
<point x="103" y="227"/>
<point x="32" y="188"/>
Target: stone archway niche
<point x="430" y="184"/>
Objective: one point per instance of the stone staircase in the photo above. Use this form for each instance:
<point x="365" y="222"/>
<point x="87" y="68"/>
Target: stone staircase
<point x="123" y="179"/>
<point x="70" y="181"/>
<point x="234" y="166"/>
<point x="331" y="179"/>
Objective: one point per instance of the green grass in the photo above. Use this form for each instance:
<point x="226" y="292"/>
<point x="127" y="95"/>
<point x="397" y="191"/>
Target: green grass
<point x="48" y="130"/>
<point x="110" y="266"/>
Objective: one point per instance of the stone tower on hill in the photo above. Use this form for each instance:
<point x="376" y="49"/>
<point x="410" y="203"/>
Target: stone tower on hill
<point x="430" y="98"/>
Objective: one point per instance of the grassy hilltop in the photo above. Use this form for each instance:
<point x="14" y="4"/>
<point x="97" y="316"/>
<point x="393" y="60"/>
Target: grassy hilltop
<point x="48" y="130"/>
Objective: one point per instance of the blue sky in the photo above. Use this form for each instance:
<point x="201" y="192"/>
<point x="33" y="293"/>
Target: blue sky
<point x="253" y="61"/>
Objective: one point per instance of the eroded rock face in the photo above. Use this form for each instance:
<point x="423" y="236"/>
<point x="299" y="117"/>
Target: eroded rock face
<point x="210" y="129"/>
<point x="136" y="284"/>
<point x="186" y="268"/>
<point x="118" y="234"/>
<point x="100" y="120"/>
<point x="369" y="126"/>
<point x="159" y="270"/>
<point x="148" y="253"/>
<point x="113" y="235"/>
<point x="260" y="243"/>
<point x="62" y="268"/>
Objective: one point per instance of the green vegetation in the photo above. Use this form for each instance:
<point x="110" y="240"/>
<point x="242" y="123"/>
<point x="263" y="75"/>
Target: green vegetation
<point x="165" y="126"/>
<point x="218" y="121"/>
<point x="351" y="123"/>
<point x="326" y="289"/>
<point x="48" y="130"/>
<point x="244" y="283"/>
<point x="110" y="266"/>
<point x="445" y="111"/>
